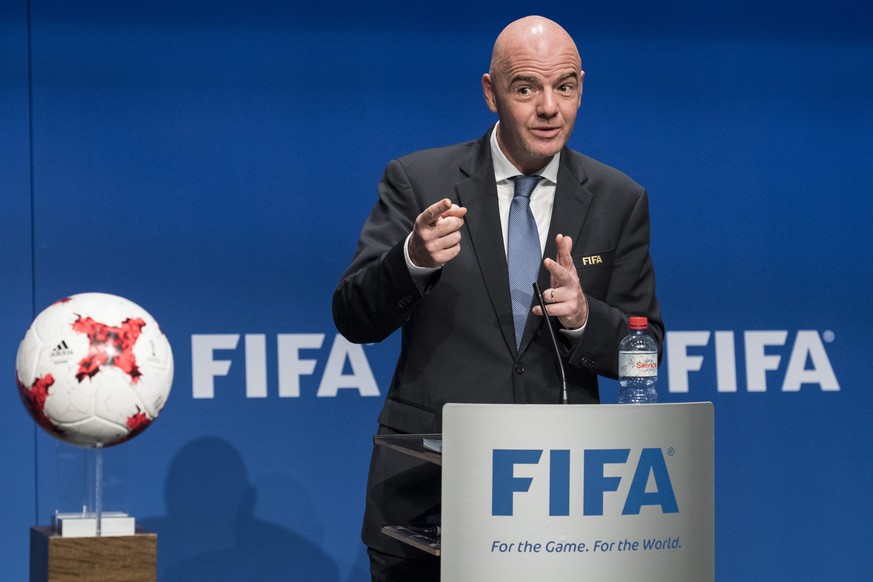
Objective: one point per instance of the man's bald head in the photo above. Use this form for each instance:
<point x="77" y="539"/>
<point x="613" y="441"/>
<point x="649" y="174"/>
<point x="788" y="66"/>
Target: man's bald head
<point x="524" y="33"/>
<point x="535" y="87"/>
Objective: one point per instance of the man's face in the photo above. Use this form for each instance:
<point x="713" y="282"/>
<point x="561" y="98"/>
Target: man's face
<point x="536" y="90"/>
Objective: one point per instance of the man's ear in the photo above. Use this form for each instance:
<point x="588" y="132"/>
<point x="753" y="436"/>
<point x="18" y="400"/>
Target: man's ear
<point x="488" y="92"/>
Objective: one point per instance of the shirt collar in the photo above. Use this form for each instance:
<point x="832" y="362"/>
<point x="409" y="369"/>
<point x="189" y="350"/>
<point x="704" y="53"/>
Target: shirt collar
<point x="504" y="170"/>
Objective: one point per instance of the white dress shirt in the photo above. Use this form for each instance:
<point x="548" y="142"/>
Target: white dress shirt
<point x="542" y="199"/>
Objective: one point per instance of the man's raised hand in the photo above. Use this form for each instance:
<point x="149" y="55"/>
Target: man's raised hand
<point x="436" y="236"/>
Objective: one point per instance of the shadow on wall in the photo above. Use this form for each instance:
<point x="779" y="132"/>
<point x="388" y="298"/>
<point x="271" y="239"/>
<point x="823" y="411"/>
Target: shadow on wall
<point x="210" y="531"/>
<point x="361" y="568"/>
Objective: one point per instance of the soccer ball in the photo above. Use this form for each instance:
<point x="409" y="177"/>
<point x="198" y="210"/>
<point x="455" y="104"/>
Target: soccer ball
<point x="94" y="369"/>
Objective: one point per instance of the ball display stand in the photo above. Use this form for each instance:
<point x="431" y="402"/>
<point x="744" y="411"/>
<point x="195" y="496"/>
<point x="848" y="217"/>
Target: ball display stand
<point x="54" y="558"/>
<point x="94" y="545"/>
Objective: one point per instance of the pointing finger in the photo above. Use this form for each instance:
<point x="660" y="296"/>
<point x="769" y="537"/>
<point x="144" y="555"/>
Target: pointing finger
<point x="433" y="212"/>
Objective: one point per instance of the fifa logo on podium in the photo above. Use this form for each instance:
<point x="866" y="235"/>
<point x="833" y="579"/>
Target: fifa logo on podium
<point x="650" y="483"/>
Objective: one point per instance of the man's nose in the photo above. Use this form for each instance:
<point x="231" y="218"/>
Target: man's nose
<point x="548" y="105"/>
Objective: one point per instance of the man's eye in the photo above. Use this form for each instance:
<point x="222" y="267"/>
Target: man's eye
<point x="524" y="90"/>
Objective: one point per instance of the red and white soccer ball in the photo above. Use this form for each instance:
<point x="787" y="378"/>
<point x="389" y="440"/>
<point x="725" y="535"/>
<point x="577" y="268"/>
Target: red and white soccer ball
<point x="94" y="369"/>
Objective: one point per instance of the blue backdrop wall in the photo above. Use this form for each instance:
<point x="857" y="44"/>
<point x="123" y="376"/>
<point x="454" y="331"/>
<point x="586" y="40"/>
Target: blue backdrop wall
<point x="184" y="154"/>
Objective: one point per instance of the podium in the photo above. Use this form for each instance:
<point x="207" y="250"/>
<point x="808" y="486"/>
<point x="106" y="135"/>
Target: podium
<point x="603" y="493"/>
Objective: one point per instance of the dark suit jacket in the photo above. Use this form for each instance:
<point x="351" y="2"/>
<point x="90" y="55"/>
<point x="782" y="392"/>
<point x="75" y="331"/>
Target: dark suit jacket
<point x="458" y="342"/>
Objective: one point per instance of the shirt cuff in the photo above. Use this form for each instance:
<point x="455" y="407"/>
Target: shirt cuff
<point x="420" y="275"/>
<point x="574" y="334"/>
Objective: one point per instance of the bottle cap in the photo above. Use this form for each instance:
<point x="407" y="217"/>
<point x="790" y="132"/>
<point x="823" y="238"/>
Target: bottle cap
<point x="637" y="322"/>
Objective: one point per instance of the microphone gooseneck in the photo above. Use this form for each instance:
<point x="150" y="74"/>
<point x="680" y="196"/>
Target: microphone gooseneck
<point x="555" y="349"/>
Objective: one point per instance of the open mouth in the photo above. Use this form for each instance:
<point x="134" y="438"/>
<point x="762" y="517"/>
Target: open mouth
<point x="546" y="132"/>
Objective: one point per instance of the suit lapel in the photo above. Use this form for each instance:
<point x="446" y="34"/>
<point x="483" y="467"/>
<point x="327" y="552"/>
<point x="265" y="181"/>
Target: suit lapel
<point x="572" y="200"/>
<point x="478" y="193"/>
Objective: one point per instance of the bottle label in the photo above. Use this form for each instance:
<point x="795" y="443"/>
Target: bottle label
<point x="637" y="364"/>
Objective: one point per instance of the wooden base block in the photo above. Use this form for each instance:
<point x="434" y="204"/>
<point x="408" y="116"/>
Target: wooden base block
<point x="93" y="559"/>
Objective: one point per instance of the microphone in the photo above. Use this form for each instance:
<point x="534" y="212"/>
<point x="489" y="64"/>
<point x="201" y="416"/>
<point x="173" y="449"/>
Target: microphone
<point x="555" y="349"/>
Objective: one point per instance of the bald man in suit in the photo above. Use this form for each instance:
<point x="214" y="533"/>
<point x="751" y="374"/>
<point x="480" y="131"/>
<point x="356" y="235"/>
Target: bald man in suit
<point x="432" y="262"/>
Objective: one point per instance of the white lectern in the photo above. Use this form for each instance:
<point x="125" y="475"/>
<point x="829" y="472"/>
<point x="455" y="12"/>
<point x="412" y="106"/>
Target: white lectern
<point x="603" y="493"/>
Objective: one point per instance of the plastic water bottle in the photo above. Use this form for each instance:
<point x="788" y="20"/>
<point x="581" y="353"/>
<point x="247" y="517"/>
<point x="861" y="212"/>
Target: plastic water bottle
<point x="637" y="364"/>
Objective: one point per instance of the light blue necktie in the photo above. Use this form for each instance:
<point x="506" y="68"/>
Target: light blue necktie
<point x="523" y="255"/>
